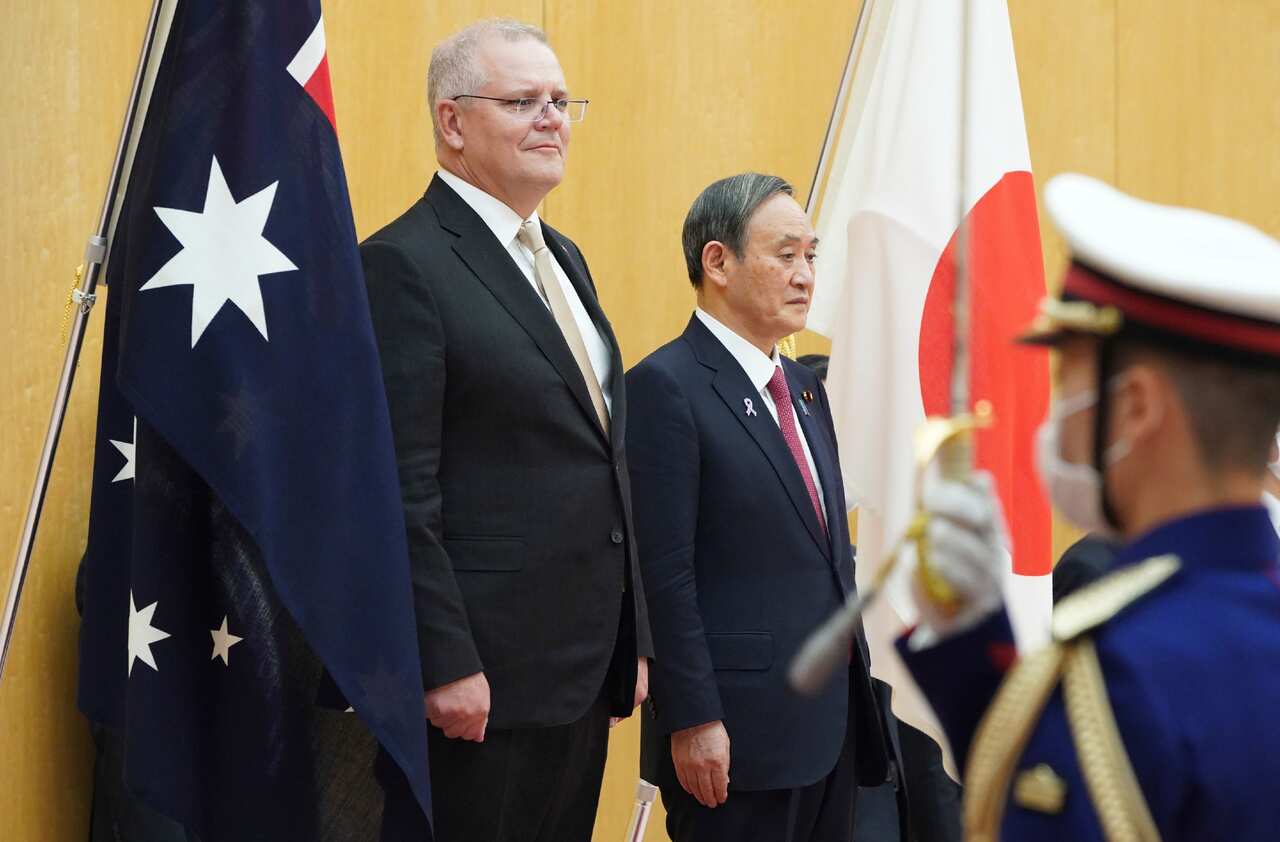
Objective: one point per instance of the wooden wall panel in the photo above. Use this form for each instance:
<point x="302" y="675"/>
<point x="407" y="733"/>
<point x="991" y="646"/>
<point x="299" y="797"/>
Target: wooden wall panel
<point x="66" y="69"/>
<point x="1200" y="87"/>
<point x="1174" y="99"/>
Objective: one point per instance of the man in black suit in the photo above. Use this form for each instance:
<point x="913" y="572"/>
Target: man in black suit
<point x="744" y="543"/>
<point x="506" y="393"/>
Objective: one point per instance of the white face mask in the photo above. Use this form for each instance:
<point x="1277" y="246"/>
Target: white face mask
<point x="1074" y="489"/>
<point x="1275" y="466"/>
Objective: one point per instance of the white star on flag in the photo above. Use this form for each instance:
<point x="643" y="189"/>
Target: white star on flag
<point x="223" y="254"/>
<point x="127" y="450"/>
<point x="223" y="640"/>
<point x="142" y="634"/>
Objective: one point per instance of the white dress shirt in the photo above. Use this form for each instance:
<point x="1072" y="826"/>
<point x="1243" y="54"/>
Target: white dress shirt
<point x="505" y="224"/>
<point x="759" y="369"/>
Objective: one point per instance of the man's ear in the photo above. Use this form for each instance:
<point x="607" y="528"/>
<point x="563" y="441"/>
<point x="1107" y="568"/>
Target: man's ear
<point x="1145" y="398"/>
<point x="715" y="255"/>
<point x="449" y="119"/>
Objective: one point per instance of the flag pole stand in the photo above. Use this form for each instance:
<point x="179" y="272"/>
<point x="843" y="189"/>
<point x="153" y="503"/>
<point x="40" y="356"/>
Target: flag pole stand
<point x="84" y="296"/>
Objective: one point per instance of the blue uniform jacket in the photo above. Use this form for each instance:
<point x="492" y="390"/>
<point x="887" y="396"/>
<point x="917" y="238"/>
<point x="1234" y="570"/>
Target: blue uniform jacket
<point x="1193" y="674"/>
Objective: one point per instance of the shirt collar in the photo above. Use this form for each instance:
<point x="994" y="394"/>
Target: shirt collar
<point x="758" y="367"/>
<point x="501" y="220"/>
<point x="1239" y="537"/>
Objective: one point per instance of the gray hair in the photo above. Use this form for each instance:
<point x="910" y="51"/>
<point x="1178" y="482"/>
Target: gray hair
<point x="454" y="69"/>
<point x="722" y="212"/>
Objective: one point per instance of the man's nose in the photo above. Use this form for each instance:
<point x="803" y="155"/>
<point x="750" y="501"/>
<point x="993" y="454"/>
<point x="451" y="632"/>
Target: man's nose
<point x="550" y="117"/>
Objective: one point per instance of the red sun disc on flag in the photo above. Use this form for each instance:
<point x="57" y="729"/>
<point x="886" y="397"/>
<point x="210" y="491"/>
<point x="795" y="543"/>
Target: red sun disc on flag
<point x="1006" y="284"/>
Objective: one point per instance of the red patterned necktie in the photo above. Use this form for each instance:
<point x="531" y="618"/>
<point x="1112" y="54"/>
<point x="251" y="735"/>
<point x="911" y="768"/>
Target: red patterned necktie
<point x="781" y="395"/>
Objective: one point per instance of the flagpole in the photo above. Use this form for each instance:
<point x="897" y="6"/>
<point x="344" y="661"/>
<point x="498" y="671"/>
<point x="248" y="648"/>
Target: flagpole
<point x="957" y="456"/>
<point x="837" y="108"/>
<point x="83" y="296"/>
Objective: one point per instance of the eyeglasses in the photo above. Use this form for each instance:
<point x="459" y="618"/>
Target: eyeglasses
<point x="533" y="108"/>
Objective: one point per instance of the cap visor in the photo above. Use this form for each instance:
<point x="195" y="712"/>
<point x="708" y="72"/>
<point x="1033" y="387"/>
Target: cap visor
<point x="1041" y="338"/>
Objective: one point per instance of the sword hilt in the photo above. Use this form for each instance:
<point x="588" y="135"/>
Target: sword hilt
<point x="950" y="442"/>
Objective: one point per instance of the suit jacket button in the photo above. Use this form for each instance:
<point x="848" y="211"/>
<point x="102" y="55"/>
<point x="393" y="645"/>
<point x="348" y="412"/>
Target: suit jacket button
<point x="616" y="536"/>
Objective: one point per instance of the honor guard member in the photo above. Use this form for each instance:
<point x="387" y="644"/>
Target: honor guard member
<point x="1152" y="714"/>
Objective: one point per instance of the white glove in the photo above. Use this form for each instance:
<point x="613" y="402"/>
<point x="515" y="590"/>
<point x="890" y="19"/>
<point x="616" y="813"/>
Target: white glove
<point x="967" y="548"/>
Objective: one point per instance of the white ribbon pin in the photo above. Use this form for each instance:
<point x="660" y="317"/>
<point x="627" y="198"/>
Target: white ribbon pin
<point x="751" y="409"/>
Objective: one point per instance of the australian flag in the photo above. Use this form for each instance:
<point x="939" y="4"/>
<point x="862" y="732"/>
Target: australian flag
<point x="248" y="630"/>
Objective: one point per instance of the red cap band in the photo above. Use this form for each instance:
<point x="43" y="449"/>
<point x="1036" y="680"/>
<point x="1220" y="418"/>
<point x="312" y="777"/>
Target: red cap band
<point x="1174" y="317"/>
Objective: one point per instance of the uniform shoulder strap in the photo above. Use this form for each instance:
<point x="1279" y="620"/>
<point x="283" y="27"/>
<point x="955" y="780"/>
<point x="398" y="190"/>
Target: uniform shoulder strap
<point x="1091" y="606"/>
<point x="1002" y="737"/>
<point x="1072" y="661"/>
<point x="1108" y="775"/>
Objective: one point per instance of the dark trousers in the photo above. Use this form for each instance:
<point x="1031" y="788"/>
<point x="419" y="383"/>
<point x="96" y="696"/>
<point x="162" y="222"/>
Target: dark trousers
<point x="520" y="785"/>
<point x="935" y="799"/>
<point x="820" y="812"/>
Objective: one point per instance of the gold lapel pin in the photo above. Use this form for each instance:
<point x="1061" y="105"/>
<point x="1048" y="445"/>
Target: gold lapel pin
<point x="806" y="396"/>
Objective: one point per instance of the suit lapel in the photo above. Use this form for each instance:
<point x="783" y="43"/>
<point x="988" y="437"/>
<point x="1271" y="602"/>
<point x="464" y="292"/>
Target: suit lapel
<point x="577" y="276"/>
<point x="824" y="459"/>
<point x="735" y="389"/>
<point x="494" y="267"/>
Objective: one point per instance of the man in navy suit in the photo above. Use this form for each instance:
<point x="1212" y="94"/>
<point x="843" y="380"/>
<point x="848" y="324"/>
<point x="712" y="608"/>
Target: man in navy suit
<point x="744" y="543"/>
